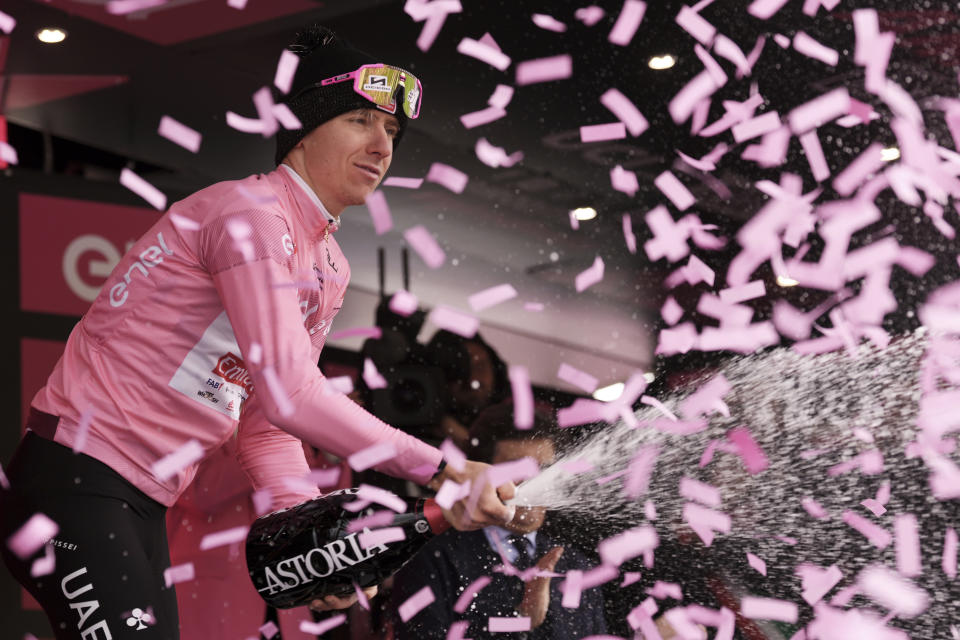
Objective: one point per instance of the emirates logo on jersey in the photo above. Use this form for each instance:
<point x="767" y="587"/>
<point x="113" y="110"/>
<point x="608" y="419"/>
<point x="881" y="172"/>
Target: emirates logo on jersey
<point x="231" y="368"/>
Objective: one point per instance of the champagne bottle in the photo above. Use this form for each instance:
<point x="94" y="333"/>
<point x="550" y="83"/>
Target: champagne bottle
<point x="299" y="554"/>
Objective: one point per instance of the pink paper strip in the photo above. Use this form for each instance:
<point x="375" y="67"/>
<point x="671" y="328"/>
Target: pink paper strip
<point x="143" y="189"/>
<point x="470" y="593"/>
<point x="572" y="588"/>
<point x="172" y="463"/>
<point x="453" y="455"/>
<point x="455" y="321"/>
<point x="320" y="628"/>
<point x="589" y="15"/>
<point x="756" y="127"/>
<point x="863" y="166"/>
<point x="602" y="132"/>
<point x="379" y="212"/>
<point x="445" y="175"/>
<point x="450" y="492"/>
<point x="949" y="560"/>
<point x="491" y="297"/>
<point x="372" y="456"/>
<point x="548" y="23"/>
<point x="877" y="535"/>
<point x="696" y="25"/>
<point x="220" y="538"/>
<point x="907" y="539"/>
<point x="744" y="292"/>
<point x="671" y="311"/>
<point x="630" y="577"/>
<point x="371" y="376"/>
<point x="512" y="471"/>
<point x="590" y="276"/>
<point x="639" y="472"/>
<point x="820" y="110"/>
<point x="262" y="501"/>
<point x="769" y="609"/>
<point x="484" y="53"/>
<point x="897" y="594"/>
<point x="7" y="22"/>
<point x="46" y="565"/>
<point x="810" y="142"/>
<point x="416" y="603"/>
<point x="813" y="507"/>
<point x="179" y="573"/>
<point x="420" y="239"/>
<point x="523" y="404"/>
<point x="375" y="520"/>
<point x="765" y="9"/>
<point x="623" y="180"/>
<point x="699" y="491"/>
<point x="671" y="187"/>
<point x="627" y="22"/>
<point x="286" y="69"/>
<point x="544" y="69"/>
<point x="83" y="428"/>
<point x="180" y="134"/>
<point x="403" y="303"/>
<point x="704" y="521"/>
<point x="816" y="582"/>
<point x="577" y="378"/>
<point x="806" y="45"/>
<point x="482" y="117"/>
<point x="749" y="451"/>
<point x="507" y="625"/>
<point x="663" y="590"/>
<point x="269" y="630"/>
<point x="631" y="543"/>
<point x="757" y="563"/>
<point x="378" y="537"/>
<point x="404" y="183"/>
<point x="381" y="496"/>
<point x="361" y="597"/>
<point x="623" y="108"/>
<point x="580" y="465"/>
<point x="124" y="7"/>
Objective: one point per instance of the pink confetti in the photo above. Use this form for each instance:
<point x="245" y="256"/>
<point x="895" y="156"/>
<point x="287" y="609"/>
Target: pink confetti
<point x="577" y="378"/>
<point x="765" y="9"/>
<point x="404" y="183"/>
<point x="225" y="537"/>
<point x="602" y="132"/>
<point x="361" y="597"/>
<point x="453" y="455"/>
<point x="286" y="69"/>
<point x="425" y="245"/>
<point x="455" y="321"/>
<point x="180" y="134"/>
<point x="458" y="630"/>
<point x="629" y="237"/>
<point x="704" y="521"/>
<point x="379" y="537"/>
<point x="544" y="69"/>
<point x="379" y="212"/>
<point x="573" y="467"/>
<point x="494" y="156"/>
<point x="44" y="566"/>
<point x="820" y="110"/>
<point x="341" y="384"/>
<point x="450" y="492"/>
<point x="630" y="577"/>
<point x="814" y="152"/>
<point x="750" y="291"/>
<point x="523" y="405"/>
<point x="756" y="127"/>
<point x="172" y="463"/>
<point x="403" y="303"/>
<point x="696" y="25"/>
<point x="627" y="22"/>
<point x="769" y="609"/>
<point x="697" y="271"/>
<point x="670" y="239"/>
<point x="589" y="15"/>
<point x="143" y="189"/>
<point x="445" y="175"/>
<point x="320" y="628"/>
<point x="813" y="507"/>
<point x="482" y="117"/>
<point x="623" y="180"/>
<point x="907" y="545"/>
<point x="470" y="593"/>
<point x="7" y="22"/>
<point x="372" y="456"/>
<point x="816" y="582"/>
<point x="624" y="109"/>
<point x="727" y="48"/>
<point x="262" y="501"/>
<point x="863" y="166"/>
<point x="512" y="471"/>
<point x="124" y="7"/>
<point x="375" y="520"/>
<point x="678" y="194"/>
<point x="949" y="560"/>
<point x="269" y="630"/>
<point x="695" y="92"/>
<point x="506" y="625"/>
<point x="758" y="564"/>
<point x="416" y="603"/>
<point x="877" y="535"/>
<point x="662" y="590"/>
<point x="639" y="472"/>
<point x="699" y="491"/>
<point x="809" y="47"/>
<point x="582" y="411"/>
<point x="549" y="23"/>
<point x="590" y="276"/>
<point x="631" y="543"/>
<point x="749" y="451"/>
<point x="178" y="574"/>
<point x="484" y="53"/>
<point x="371" y="376"/>
<point x="892" y="591"/>
<point x="7" y="153"/>
<point x="671" y="311"/>
<point x="381" y="496"/>
<point x="491" y="297"/>
<point x="572" y="588"/>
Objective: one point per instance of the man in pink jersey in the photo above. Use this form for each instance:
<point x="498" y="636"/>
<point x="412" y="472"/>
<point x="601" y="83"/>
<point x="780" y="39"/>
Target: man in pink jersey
<point x="209" y="329"/>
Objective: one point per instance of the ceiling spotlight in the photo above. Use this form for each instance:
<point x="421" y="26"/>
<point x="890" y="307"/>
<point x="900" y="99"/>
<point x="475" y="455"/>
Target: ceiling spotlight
<point x="608" y="393"/>
<point x="585" y="213"/>
<point x="51" y="35"/>
<point x="786" y="281"/>
<point x="662" y="62"/>
<point x="890" y="154"/>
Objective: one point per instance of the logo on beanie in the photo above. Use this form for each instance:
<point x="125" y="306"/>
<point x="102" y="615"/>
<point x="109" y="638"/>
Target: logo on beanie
<point x="412" y="96"/>
<point x="377" y="83"/>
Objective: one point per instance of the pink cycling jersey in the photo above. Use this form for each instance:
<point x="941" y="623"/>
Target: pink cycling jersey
<point x="233" y="289"/>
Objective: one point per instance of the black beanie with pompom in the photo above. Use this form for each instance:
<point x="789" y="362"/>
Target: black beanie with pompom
<point x="323" y="55"/>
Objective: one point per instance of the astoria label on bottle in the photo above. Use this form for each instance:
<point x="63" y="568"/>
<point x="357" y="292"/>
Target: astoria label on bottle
<point x="299" y="554"/>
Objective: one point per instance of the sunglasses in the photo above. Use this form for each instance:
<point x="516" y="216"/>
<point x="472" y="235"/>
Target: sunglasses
<point x="379" y="83"/>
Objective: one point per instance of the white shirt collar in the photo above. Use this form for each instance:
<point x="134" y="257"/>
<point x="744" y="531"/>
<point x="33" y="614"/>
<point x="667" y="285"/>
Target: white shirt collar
<point x="310" y="194"/>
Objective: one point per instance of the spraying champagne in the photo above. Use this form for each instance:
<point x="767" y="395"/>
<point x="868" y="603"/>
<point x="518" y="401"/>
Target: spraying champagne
<point x="306" y="552"/>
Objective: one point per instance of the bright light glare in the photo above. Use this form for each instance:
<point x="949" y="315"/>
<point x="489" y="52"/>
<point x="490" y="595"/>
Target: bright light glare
<point x="608" y="393"/>
<point x="890" y="154"/>
<point x="786" y="281"/>
<point x="649" y="377"/>
<point x="585" y="213"/>
<point x="51" y="35"/>
<point x="662" y="62"/>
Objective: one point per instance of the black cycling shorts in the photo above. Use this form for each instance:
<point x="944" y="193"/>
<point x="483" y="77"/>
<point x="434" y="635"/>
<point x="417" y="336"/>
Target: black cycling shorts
<point x="110" y="552"/>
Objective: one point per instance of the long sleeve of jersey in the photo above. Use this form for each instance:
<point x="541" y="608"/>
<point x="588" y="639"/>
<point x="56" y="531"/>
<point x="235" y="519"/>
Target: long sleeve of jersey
<point x="259" y="289"/>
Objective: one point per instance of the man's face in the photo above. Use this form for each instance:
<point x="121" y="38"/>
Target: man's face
<point x="345" y="158"/>
<point x="527" y="519"/>
<point x="476" y="391"/>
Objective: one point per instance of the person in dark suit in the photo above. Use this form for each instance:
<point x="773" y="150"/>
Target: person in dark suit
<point x="454" y="560"/>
